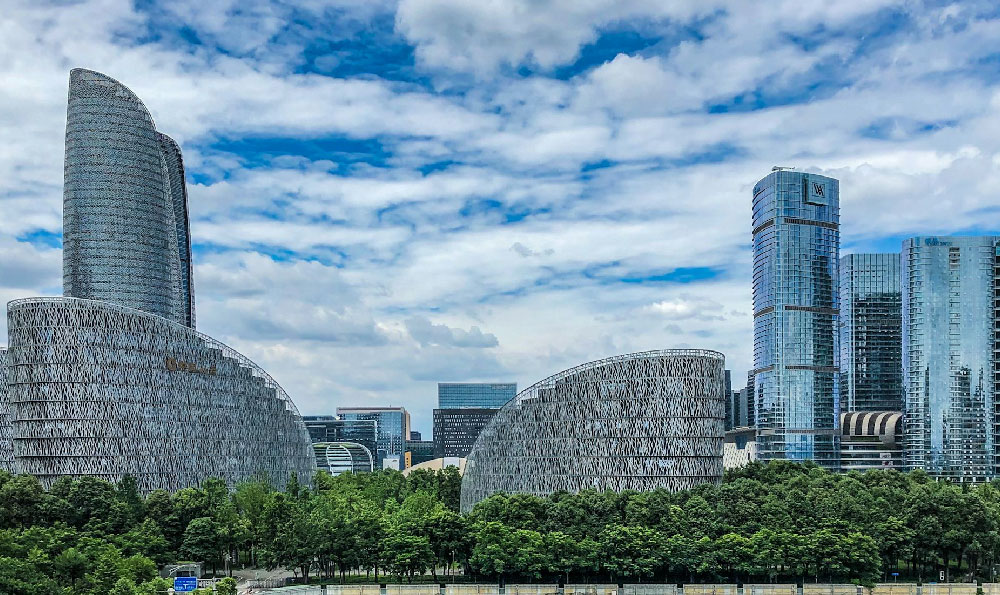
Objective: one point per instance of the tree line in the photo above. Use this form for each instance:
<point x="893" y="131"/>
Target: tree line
<point x="776" y="522"/>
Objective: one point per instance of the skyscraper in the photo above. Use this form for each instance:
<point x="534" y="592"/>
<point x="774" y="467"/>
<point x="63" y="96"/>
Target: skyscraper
<point x="393" y="428"/>
<point x="492" y="395"/>
<point x="796" y="239"/>
<point x="871" y="328"/>
<point x="951" y="315"/>
<point x="125" y="216"/>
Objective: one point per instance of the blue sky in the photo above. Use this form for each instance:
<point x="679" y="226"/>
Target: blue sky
<point x="385" y="195"/>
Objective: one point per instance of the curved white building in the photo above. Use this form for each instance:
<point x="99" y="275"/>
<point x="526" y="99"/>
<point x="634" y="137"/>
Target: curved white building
<point x="631" y="422"/>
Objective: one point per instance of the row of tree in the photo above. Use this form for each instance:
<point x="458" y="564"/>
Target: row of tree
<point x="775" y="522"/>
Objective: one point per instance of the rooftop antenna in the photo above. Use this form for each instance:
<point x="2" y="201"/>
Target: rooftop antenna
<point x="782" y="167"/>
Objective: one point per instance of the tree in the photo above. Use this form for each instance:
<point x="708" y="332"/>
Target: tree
<point x="202" y="542"/>
<point x="226" y="586"/>
<point x="406" y="554"/>
<point x="70" y="566"/>
<point x="123" y="586"/>
<point x="631" y="552"/>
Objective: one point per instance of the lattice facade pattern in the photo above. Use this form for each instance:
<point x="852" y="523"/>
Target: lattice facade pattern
<point x="631" y="422"/>
<point x="7" y="462"/>
<point x="342" y="457"/>
<point x="125" y="220"/>
<point x="103" y="390"/>
<point x="796" y="241"/>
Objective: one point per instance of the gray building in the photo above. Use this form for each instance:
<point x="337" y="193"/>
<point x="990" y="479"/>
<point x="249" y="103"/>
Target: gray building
<point x="739" y="409"/>
<point x="640" y="421"/>
<point x="951" y="301"/>
<point x="456" y="430"/>
<point x="393" y="429"/>
<point x="796" y="239"/>
<point x="463" y="395"/>
<point x="871" y="333"/>
<point x="113" y="380"/>
<point x="464" y="409"/>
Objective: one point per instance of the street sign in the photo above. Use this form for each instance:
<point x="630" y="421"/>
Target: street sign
<point x="942" y="576"/>
<point x="185" y="584"/>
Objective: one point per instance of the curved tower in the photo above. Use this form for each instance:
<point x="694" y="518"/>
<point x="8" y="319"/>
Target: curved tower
<point x="631" y="422"/>
<point x="125" y="225"/>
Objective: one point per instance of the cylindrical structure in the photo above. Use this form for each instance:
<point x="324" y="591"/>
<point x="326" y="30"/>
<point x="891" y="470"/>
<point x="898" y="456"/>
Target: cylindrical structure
<point x="632" y="422"/>
<point x="121" y="206"/>
<point x="103" y="390"/>
<point x="342" y="457"/>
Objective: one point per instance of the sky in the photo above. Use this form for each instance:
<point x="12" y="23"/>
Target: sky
<point x="386" y="195"/>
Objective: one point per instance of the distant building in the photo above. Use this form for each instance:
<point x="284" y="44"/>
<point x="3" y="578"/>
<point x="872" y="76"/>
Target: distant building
<point x="796" y="241"/>
<point x="438" y="465"/>
<point x="751" y="400"/>
<point x="951" y="348"/>
<point x="420" y="451"/>
<point x="638" y="421"/>
<point x="456" y="430"/>
<point x="871" y="333"/>
<point x="871" y="440"/>
<point x="463" y="395"/>
<point x="330" y="429"/>
<point x="739" y="448"/>
<point x="393" y="428"/>
<point x="341" y="457"/>
<point x="414" y="435"/>
<point x="739" y="409"/>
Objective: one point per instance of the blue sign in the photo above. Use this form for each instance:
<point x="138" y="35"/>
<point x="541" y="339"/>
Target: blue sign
<point x="184" y="584"/>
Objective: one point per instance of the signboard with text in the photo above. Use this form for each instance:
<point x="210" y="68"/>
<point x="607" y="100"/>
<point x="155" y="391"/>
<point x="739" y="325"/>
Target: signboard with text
<point x="185" y="584"/>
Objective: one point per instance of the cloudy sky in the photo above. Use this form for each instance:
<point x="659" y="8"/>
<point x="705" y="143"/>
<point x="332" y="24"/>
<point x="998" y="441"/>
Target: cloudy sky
<point x="385" y="195"/>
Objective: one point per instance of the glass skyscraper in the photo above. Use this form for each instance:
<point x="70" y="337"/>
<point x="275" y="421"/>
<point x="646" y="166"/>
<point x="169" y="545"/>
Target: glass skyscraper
<point x="871" y="366"/>
<point x="796" y="239"/>
<point x="393" y="428"/>
<point x="951" y="300"/>
<point x="459" y="395"/>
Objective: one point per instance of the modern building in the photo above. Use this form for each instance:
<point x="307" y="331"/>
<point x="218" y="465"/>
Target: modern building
<point x="631" y="422"/>
<point x="414" y="435"/>
<point x="739" y="409"/>
<point x="125" y="217"/>
<point x="113" y="380"/>
<point x="871" y="333"/>
<point x="6" y="431"/>
<point x="343" y="457"/>
<point x="871" y="440"/>
<point x="951" y="373"/>
<point x="330" y="429"/>
<point x="751" y="400"/>
<point x="456" y="430"/>
<point x="393" y="429"/>
<point x="464" y="395"/>
<point x="796" y="239"/>
<point x="420" y="451"/>
<point x="739" y="448"/>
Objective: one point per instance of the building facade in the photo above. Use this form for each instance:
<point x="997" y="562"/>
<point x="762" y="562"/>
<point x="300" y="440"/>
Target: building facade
<point x="871" y="333"/>
<point x="343" y="457"/>
<point x="456" y="430"/>
<point x="950" y="289"/>
<point x="420" y="451"/>
<point x="113" y="380"/>
<point x="739" y="448"/>
<point x="871" y="440"/>
<point x="6" y="430"/>
<point x="330" y="429"/>
<point x="632" y="422"/>
<point x="796" y="240"/>
<point x="739" y="409"/>
<point x="393" y="425"/>
<point x="465" y="395"/>
<point x="125" y="219"/>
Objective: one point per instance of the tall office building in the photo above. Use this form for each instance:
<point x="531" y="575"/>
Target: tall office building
<point x="751" y="400"/>
<point x="464" y="409"/>
<point x="951" y="324"/>
<point x="393" y="428"/>
<point x="459" y="395"/>
<point x="871" y="333"/>
<point x="112" y="379"/>
<point x="796" y="239"/>
<point x="125" y="217"/>
<point x="739" y="409"/>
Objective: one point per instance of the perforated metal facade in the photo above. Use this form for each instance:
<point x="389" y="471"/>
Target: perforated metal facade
<point x="100" y="389"/>
<point x="796" y="241"/>
<point x="6" y="445"/>
<point x="632" y="422"/>
<point x="125" y="221"/>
